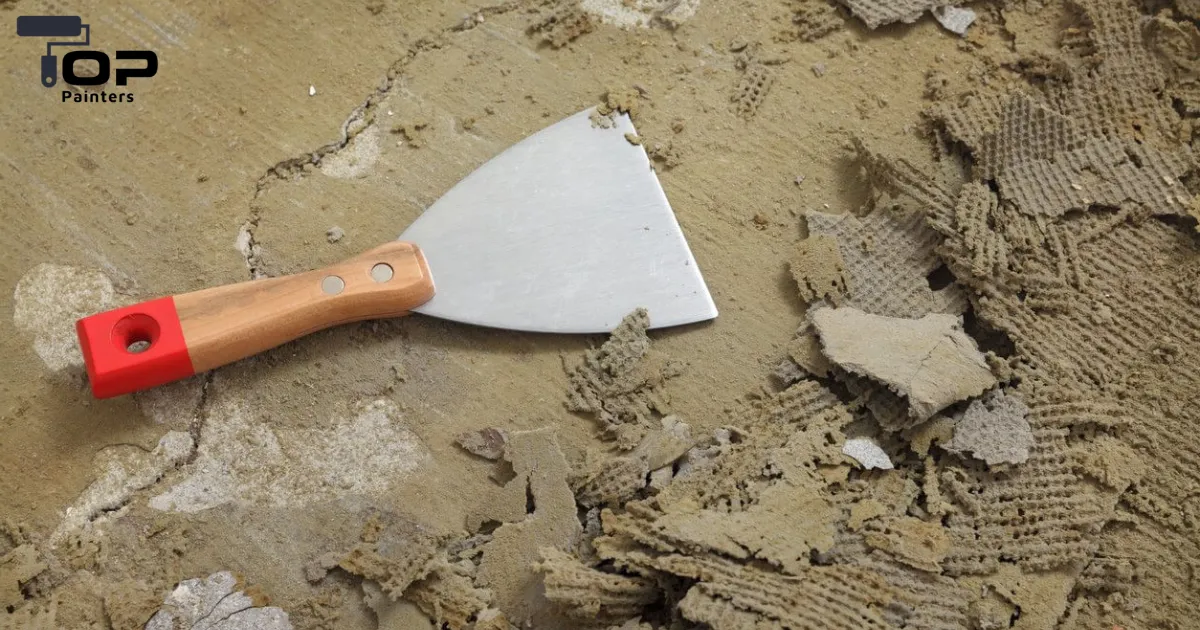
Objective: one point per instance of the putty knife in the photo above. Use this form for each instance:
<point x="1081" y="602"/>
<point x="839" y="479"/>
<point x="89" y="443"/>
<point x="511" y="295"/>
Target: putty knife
<point x="567" y="231"/>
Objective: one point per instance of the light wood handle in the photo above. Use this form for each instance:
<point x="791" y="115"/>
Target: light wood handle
<point x="196" y="332"/>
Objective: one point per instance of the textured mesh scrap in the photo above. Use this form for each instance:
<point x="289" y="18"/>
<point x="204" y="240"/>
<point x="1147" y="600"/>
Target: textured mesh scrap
<point x="876" y="13"/>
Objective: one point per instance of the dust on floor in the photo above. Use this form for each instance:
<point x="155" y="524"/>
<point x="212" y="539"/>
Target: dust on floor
<point x="1010" y="213"/>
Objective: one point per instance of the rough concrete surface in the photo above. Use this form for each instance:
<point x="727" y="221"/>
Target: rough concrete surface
<point x="970" y="257"/>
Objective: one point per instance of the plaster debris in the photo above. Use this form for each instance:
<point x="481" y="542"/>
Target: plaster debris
<point x="876" y="13"/>
<point x="930" y="361"/>
<point x="47" y="302"/>
<point x="916" y="543"/>
<point x="312" y="90"/>
<point x="994" y="429"/>
<point x="954" y="19"/>
<point x="507" y="564"/>
<point x="243" y="460"/>
<point x="487" y="443"/>
<point x="621" y="382"/>
<point x="17" y="568"/>
<point x="125" y="470"/>
<point x="216" y="603"/>
<point x="641" y="13"/>
<point x="334" y="234"/>
<point x="866" y="452"/>
<point x="393" y="615"/>
<point x="887" y="257"/>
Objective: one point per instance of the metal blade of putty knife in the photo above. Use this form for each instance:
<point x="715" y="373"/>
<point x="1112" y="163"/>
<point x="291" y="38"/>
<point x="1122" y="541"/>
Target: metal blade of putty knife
<point x="566" y="231"/>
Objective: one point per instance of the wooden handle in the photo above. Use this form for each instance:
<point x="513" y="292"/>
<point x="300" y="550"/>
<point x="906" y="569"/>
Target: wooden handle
<point x="196" y="332"/>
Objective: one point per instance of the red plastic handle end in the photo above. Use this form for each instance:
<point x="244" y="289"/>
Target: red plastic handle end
<point x="133" y="348"/>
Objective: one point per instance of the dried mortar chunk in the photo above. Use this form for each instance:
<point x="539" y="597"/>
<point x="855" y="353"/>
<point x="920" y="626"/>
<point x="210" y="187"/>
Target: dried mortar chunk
<point x="563" y="25"/>
<point x="621" y="382"/>
<point x="815" y="19"/>
<point x="930" y="361"/>
<point x="994" y="429"/>
<point x="622" y="100"/>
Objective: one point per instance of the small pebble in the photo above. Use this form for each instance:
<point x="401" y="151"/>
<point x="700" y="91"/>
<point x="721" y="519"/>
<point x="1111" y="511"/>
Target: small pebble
<point x="312" y="90"/>
<point x="334" y="234"/>
<point x="818" y="69"/>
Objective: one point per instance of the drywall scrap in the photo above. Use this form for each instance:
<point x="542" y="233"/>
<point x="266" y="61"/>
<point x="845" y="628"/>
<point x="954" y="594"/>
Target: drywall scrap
<point x="1092" y="305"/>
<point x="217" y="602"/>
<point x="954" y="19"/>
<point x="994" y="429"/>
<point x="621" y="382"/>
<point x="1049" y="163"/>
<point x="866" y="451"/>
<point x="887" y="257"/>
<point x="485" y="579"/>
<point x="615" y="480"/>
<point x="876" y="13"/>
<point x="930" y="361"/>
<point x="398" y="558"/>
<point x="506" y="565"/>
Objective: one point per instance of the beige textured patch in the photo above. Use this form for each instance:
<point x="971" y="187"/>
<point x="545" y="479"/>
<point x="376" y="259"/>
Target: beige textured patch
<point x="914" y="542"/>
<point x="929" y="361"/>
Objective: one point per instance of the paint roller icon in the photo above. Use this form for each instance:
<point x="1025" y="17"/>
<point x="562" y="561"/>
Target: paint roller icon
<point x="53" y="26"/>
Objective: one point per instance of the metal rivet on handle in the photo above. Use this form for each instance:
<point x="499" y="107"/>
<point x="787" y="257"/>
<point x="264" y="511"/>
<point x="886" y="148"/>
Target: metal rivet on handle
<point x="332" y="285"/>
<point x="381" y="272"/>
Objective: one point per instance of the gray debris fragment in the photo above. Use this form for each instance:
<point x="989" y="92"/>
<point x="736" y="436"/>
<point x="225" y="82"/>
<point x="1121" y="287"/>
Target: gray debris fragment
<point x="334" y="234"/>
<point x="211" y="603"/>
<point x="866" y="452"/>
<point x="994" y="429"/>
<point x="954" y="19"/>
<point x="47" y="302"/>
<point x="487" y="443"/>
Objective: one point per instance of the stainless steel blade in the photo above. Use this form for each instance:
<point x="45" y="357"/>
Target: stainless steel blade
<point x="566" y="231"/>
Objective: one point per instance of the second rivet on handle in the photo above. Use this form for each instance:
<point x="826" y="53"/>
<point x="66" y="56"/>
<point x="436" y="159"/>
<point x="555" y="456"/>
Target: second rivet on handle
<point x="382" y="272"/>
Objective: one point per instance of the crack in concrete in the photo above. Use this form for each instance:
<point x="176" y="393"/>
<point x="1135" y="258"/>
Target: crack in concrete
<point x="359" y="120"/>
<point x="217" y="605"/>
<point x="196" y="429"/>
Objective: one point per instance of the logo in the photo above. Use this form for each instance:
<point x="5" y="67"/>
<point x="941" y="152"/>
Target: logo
<point x="57" y="26"/>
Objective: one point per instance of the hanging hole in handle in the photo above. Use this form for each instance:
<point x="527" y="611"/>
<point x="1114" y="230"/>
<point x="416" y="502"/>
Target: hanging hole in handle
<point x="136" y="333"/>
